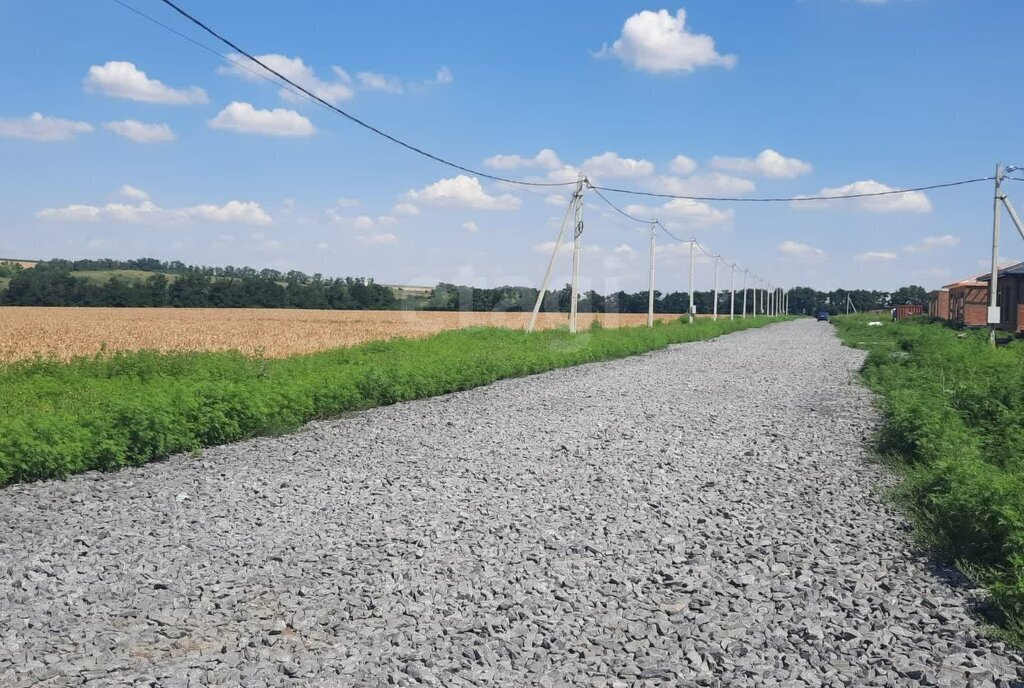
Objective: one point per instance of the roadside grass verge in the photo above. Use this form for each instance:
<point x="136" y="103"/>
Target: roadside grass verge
<point x="954" y="427"/>
<point x="125" y="409"/>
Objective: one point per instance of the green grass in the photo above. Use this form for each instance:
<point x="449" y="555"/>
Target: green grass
<point x="954" y="426"/>
<point x="125" y="409"/>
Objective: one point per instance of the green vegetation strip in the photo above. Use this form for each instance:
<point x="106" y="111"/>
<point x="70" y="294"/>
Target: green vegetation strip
<point x="954" y="426"/>
<point x="125" y="409"/>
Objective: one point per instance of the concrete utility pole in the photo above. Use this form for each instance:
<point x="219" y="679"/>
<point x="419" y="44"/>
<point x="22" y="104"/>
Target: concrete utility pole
<point x="745" y="271"/>
<point x="715" y="310"/>
<point x="764" y="287"/>
<point x="650" y="289"/>
<point x="577" y="237"/>
<point x="551" y="266"/>
<point x="732" y="294"/>
<point x="691" y="305"/>
<point x="994" y="317"/>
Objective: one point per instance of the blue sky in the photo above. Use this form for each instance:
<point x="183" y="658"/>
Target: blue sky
<point x="145" y="144"/>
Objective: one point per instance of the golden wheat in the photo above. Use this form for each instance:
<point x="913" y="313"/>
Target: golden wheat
<point x="65" y="333"/>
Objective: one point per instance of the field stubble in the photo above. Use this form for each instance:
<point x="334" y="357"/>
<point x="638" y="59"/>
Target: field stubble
<point x="65" y="333"/>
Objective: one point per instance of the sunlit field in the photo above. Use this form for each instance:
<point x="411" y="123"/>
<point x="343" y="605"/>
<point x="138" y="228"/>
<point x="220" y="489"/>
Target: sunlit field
<point x="65" y="333"/>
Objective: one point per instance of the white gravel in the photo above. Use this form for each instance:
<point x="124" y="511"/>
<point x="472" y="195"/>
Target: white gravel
<point x="703" y="515"/>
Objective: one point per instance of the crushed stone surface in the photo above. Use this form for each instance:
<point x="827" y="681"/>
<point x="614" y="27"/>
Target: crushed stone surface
<point x="704" y="515"/>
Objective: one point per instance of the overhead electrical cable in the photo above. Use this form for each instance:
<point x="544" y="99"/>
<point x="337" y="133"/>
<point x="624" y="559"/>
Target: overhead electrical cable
<point x="299" y="90"/>
<point x="349" y="116"/>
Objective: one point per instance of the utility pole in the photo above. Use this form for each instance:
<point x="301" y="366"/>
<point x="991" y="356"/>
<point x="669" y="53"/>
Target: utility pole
<point x="576" y="241"/>
<point x="715" y="310"/>
<point x="691" y="307"/>
<point x="764" y="288"/>
<point x="994" y="317"/>
<point x="650" y="290"/>
<point x="745" y="271"/>
<point x="732" y="294"/>
<point x="551" y="265"/>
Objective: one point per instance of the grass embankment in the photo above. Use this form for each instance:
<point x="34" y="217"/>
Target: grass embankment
<point x="954" y="425"/>
<point x="125" y="409"/>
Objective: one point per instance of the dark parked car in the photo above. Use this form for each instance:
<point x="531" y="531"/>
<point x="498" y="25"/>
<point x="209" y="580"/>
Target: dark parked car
<point x="822" y="316"/>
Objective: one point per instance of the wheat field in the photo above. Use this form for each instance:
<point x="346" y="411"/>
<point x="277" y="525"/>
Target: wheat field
<point x="64" y="333"/>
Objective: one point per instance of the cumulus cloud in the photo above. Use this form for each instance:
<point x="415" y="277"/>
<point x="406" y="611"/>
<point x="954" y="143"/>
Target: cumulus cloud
<point x="134" y="193"/>
<point x="141" y="132"/>
<point x="556" y="200"/>
<point x="874" y="256"/>
<point x="711" y="184"/>
<point x="145" y="212"/>
<point x="659" y="42"/>
<point x="795" y="249"/>
<point x="625" y="251"/>
<point x="933" y="242"/>
<point x="908" y="202"/>
<point x="125" y="80"/>
<point x="333" y="91"/>
<point x="37" y="127"/>
<point x="768" y="163"/>
<point x="405" y="209"/>
<point x="682" y="165"/>
<point x="364" y="222"/>
<point x="612" y="165"/>
<point x="372" y="81"/>
<point x="683" y="212"/>
<point x="470" y="227"/>
<point x="462" y="191"/>
<point x="546" y="159"/>
<point x="245" y="119"/>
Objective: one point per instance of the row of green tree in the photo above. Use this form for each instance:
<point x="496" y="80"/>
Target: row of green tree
<point x="174" y="284"/>
<point x="52" y="284"/>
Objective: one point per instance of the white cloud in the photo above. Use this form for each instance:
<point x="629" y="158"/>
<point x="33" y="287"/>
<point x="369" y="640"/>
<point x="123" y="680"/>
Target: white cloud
<point x="683" y="165"/>
<point x="244" y="118"/>
<point x="470" y="227"/>
<point x="145" y="212"/>
<point x="141" y="132"/>
<point x="348" y="203"/>
<point x="546" y="159"/>
<point x="625" y="250"/>
<point x="556" y="200"/>
<point x="377" y="239"/>
<point x="802" y="251"/>
<point x="711" y="184"/>
<point x="372" y="81"/>
<point x="125" y="80"/>
<point x="237" y="212"/>
<point x="683" y="212"/>
<point x="768" y="163"/>
<point x="611" y="165"/>
<point x="565" y="173"/>
<point x="405" y="209"/>
<point x="874" y="256"/>
<point x="909" y="202"/>
<point x="659" y="42"/>
<point x="932" y="242"/>
<point x="443" y="77"/>
<point x="364" y="222"/>
<point x="298" y="71"/>
<point x="37" y="127"/>
<point x="462" y="191"/>
<point x="134" y="193"/>
<point x="387" y="220"/>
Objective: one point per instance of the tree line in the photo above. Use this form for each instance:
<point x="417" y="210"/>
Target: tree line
<point x="52" y="284"/>
<point x="175" y="284"/>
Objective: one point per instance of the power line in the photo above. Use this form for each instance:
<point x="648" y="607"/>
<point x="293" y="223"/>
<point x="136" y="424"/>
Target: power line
<point x="789" y="199"/>
<point x="228" y="58"/>
<point x="349" y="116"/>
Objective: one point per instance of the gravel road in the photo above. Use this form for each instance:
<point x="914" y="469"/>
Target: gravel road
<point x="702" y="515"/>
